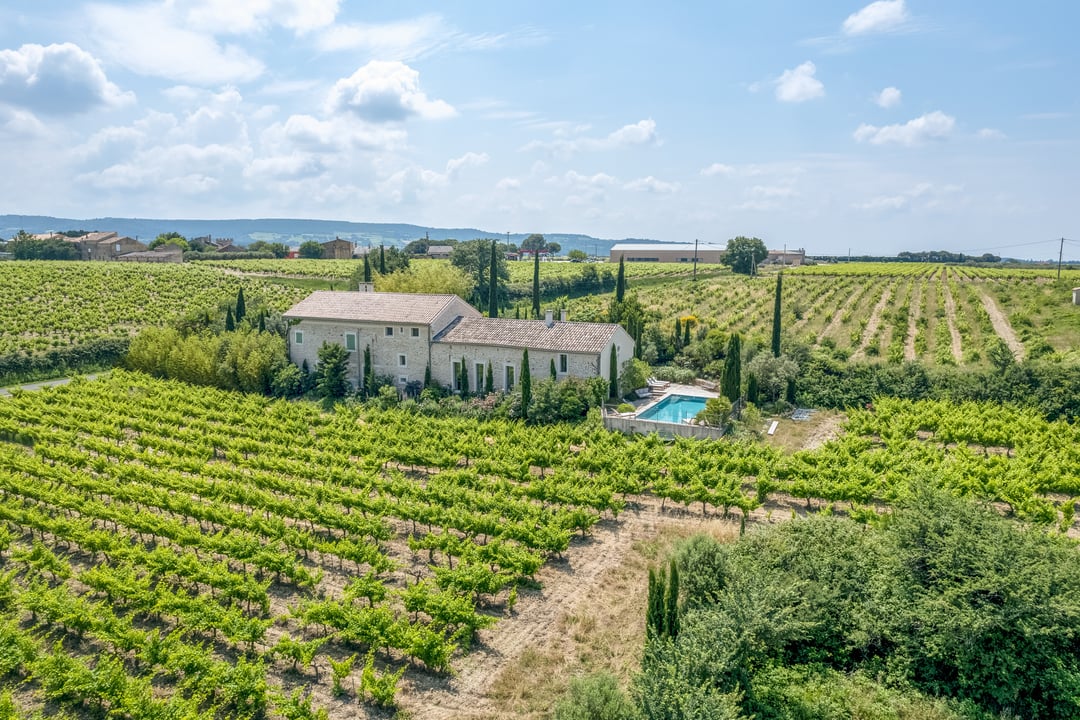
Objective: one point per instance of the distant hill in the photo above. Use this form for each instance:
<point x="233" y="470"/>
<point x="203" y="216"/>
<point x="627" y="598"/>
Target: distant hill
<point x="288" y="231"/>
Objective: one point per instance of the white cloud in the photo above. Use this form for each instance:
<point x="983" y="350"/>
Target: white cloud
<point x="932" y="126"/>
<point x="642" y="132"/>
<point x="990" y="134"/>
<point x="469" y="159"/>
<point x="384" y="91"/>
<point x="56" y="79"/>
<point x="888" y="98"/>
<point x="20" y="124"/>
<point x="286" y="167"/>
<point x="236" y="16"/>
<point x="508" y="183"/>
<point x="717" y="169"/>
<point x="799" y="84"/>
<point x="652" y="185"/>
<point x="923" y="196"/>
<point x="149" y="40"/>
<point x="880" y="16"/>
<point x="418" y="37"/>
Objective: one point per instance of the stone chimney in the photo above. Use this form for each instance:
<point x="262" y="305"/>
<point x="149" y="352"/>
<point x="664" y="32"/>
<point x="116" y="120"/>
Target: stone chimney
<point x="549" y="318"/>
<point x="562" y="315"/>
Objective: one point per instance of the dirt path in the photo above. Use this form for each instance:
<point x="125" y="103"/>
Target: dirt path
<point x="571" y="588"/>
<point x="870" y="332"/>
<point x="1002" y="327"/>
<point x="838" y="317"/>
<point x="950" y="318"/>
<point x="913" y="322"/>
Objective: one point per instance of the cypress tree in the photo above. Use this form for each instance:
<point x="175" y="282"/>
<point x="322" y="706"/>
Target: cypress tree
<point x="489" y="380"/>
<point x="241" y="306"/>
<point x="493" y="282"/>
<point x="230" y="325"/>
<point x="677" y="336"/>
<point x="553" y="373"/>
<point x="517" y="312"/>
<point x="751" y="389"/>
<point x="671" y="604"/>
<point x="776" y="316"/>
<point x="369" y="372"/>
<point x="613" y="374"/>
<point x="463" y="377"/>
<point x="536" y="284"/>
<point x="427" y="376"/>
<point x="731" y="380"/>
<point x="382" y="259"/>
<point x="789" y="392"/>
<point x="526" y="384"/>
<point x="686" y="333"/>
<point x="262" y="322"/>
<point x="620" y="281"/>
<point x="367" y="267"/>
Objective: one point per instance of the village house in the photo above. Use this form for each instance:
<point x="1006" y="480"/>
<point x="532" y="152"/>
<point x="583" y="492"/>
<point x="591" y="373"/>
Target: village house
<point x="440" y="252"/>
<point x="409" y="333"/>
<point x="105" y="246"/>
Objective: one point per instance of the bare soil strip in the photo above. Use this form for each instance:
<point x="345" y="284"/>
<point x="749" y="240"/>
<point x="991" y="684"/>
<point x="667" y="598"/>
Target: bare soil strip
<point x="913" y="322"/>
<point x="837" y="317"/>
<point x="950" y="318"/>
<point x="1002" y="327"/>
<point x="870" y="332"/>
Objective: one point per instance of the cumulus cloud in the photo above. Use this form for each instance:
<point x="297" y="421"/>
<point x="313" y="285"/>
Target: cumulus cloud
<point x="888" y="98"/>
<point x="932" y="126"/>
<point x="799" y="84"/>
<point x="150" y="40"/>
<point x="296" y="166"/>
<point x="56" y="79"/>
<point x="717" y="169"/>
<point x="469" y="159"/>
<point x="652" y="185"/>
<point x="508" y="183"/>
<point x="642" y="132"/>
<point x="880" y="16"/>
<point x="384" y="91"/>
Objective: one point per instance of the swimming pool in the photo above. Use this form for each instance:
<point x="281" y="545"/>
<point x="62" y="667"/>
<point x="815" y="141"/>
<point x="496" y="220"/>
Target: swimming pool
<point x="674" y="409"/>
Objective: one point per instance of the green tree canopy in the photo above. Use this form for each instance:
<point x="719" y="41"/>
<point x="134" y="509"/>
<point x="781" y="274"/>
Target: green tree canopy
<point x="438" y="278"/>
<point x="170" y="238"/>
<point x="744" y="254"/>
<point x="577" y="255"/>
<point x="473" y="257"/>
<point x="311" y="250"/>
<point x="331" y="379"/>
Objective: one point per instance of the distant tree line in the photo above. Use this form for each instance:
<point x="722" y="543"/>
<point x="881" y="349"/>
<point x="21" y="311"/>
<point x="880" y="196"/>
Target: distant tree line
<point x="931" y="256"/>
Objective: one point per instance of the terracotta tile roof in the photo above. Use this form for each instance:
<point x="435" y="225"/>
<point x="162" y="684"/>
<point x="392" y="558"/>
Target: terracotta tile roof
<point x="583" y="337"/>
<point x="373" y="307"/>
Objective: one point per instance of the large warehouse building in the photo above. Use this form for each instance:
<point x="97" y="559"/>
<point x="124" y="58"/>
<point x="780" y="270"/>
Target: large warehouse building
<point x="667" y="252"/>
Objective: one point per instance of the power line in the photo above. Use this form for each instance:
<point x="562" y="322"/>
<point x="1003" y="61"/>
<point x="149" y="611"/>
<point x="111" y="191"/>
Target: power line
<point x="1017" y="245"/>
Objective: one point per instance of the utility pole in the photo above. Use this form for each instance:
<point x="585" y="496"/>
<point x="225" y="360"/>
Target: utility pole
<point x="695" y="259"/>
<point x="1061" y="251"/>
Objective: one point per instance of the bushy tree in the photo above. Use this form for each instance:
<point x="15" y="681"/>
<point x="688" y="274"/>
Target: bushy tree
<point x="744" y="254"/>
<point x="773" y="373"/>
<point x="310" y="249"/>
<point x="170" y="238"/>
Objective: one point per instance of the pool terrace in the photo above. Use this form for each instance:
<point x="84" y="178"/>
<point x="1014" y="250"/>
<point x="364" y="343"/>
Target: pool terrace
<point x="653" y="415"/>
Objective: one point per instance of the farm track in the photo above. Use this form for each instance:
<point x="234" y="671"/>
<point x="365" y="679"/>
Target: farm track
<point x="870" y="332"/>
<point x="950" y="319"/>
<point x="913" y="323"/>
<point x="1002" y="327"/>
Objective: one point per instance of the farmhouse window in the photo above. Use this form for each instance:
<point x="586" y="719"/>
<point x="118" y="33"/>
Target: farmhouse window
<point x="350" y="342"/>
<point x="416" y="332"/>
<point x="564" y="363"/>
<point x="298" y="337"/>
<point x="389" y="332"/>
<point x="401" y="361"/>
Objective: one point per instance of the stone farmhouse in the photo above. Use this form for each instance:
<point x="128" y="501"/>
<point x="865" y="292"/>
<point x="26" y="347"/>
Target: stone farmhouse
<point x="337" y="249"/>
<point x="408" y="333"/>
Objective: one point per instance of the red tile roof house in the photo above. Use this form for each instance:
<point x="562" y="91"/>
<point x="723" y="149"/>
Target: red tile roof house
<point x="407" y="333"/>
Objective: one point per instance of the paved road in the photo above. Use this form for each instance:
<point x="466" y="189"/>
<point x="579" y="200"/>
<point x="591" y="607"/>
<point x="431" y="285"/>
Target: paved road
<point x="45" y="383"/>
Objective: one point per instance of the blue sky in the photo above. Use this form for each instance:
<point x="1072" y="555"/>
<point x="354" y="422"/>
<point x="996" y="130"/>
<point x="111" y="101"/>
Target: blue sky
<point x="881" y="127"/>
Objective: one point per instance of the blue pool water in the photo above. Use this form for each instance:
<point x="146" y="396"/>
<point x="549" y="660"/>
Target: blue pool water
<point x="674" y="409"/>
